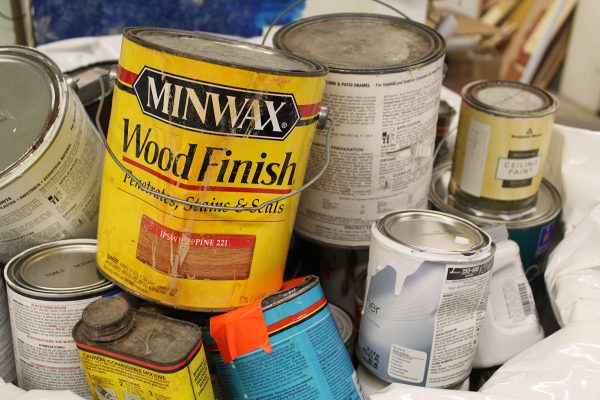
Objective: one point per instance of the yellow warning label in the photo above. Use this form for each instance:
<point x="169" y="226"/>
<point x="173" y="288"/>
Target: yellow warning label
<point x="213" y="135"/>
<point x="116" y="377"/>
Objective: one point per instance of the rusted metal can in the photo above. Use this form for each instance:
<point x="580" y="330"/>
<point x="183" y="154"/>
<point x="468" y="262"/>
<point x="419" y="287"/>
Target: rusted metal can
<point x="426" y="295"/>
<point x="383" y="90"/>
<point x="50" y="157"/>
<point x="129" y="354"/>
<point x="501" y="146"/>
<point x="224" y="126"/>
<point x="287" y="346"/>
<point x="48" y="287"/>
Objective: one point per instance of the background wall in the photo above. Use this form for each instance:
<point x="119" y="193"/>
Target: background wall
<point x="7" y="30"/>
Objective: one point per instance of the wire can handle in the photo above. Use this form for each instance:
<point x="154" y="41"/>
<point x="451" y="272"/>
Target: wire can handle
<point x="297" y="3"/>
<point x="323" y="121"/>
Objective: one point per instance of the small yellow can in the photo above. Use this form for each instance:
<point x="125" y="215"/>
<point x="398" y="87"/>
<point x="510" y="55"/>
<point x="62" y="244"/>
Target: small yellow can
<point x="502" y="142"/>
<point x="225" y="126"/>
<point x="128" y="354"/>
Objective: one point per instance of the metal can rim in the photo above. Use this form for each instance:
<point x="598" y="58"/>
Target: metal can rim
<point x="45" y="138"/>
<point x="523" y="223"/>
<point x="339" y="314"/>
<point x="437" y="39"/>
<point x="482" y="246"/>
<point x="131" y="34"/>
<point x="283" y="296"/>
<point x="467" y="96"/>
<point x="19" y="286"/>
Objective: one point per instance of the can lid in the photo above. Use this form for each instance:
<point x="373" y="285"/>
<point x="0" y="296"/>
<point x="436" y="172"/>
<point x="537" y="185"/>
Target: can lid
<point x="356" y="42"/>
<point x="509" y="98"/>
<point x="31" y="87"/>
<point x="106" y="319"/>
<point x="222" y="50"/>
<point x="62" y="269"/>
<point x="343" y="322"/>
<point x="432" y="231"/>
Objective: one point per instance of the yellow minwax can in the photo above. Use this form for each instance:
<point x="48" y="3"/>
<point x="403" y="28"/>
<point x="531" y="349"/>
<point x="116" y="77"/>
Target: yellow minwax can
<point x="501" y="146"/>
<point x="217" y="123"/>
<point x="128" y="354"/>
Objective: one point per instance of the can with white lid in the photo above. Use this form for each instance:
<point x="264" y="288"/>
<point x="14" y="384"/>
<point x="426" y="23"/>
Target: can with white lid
<point x="50" y="155"/>
<point x="426" y="295"/>
<point x="48" y="286"/>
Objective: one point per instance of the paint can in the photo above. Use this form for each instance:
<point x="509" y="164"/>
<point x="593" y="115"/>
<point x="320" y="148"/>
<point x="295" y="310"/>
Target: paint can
<point x="503" y="137"/>
<point x="50" y="158"/>
<point x="285" y="346"/>
<point x="338" y="269"/>
<point x="345" y="326"/>
<point x="383" y="92"/>
<point x="129" y="354"/>
<point x="427" y="291"/>
<point x="8" y="372"/>
<point x="213" y="129"/>
<point x="90" y="91"/>
<point x="533" y="230"/>
<point x="48" y="286"/>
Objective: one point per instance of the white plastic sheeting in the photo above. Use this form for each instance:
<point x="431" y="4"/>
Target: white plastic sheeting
<point x="9" y="391"/>
<point x="573" y="165"/>
<point x="573" y="272"/>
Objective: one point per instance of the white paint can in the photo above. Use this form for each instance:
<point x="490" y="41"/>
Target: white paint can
<point x="48" y="286"/>
<point x="382" y="91"/>
<point x="50" y="155"/>
<point x="426" y="295"/>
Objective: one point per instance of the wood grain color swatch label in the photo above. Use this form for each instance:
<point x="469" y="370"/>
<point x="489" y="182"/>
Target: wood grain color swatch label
<point x="194" y="255"/>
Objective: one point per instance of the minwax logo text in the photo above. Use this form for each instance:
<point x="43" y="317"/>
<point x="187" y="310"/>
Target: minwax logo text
<point x="215" y="109"/>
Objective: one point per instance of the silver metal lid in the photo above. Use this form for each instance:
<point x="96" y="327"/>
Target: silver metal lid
<point x="509" y="98"/>
<point x="63" y="269"/>
<point x="33" y="90"/>
<point x="546" y="208"/>
<point x="433" y="231"/>
<point x="222" y="50"/>
<point x="361" y="42"/>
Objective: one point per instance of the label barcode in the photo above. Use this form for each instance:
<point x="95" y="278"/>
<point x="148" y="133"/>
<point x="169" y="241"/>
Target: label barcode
<point x="525" y="299"/>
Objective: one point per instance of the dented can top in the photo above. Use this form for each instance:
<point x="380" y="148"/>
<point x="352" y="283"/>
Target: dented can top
<point x="222" y="50"/>
<point x="432" y="231"/>
<point x="509" y="99"/>
<point x="32" y="106"/>
<point x="109" y="324"/>
<point x="362" y="43"/>
<point x="65" y="269"/>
